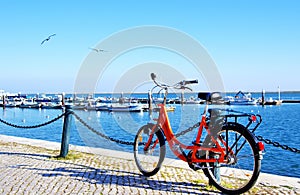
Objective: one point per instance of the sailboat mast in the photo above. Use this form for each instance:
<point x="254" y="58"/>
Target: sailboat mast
<point x="278" y="93"/>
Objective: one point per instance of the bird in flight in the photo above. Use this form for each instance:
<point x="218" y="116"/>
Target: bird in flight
<point x="97" y="50"/>
<point x="47" y="39"/>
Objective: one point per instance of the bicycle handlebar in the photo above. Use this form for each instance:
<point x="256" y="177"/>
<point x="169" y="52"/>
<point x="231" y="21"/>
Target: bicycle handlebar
<point x="179" y="85"/>
<point x="184" y="82"/>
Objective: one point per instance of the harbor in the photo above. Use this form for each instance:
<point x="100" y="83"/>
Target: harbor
<point x="124" y="125"/>
<point x="132" y="102"/>
<point x="101" y="137"/>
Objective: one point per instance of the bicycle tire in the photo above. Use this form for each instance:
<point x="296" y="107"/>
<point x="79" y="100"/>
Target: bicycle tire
<point x="149" y="161"/>
<point x="241" y="174"/>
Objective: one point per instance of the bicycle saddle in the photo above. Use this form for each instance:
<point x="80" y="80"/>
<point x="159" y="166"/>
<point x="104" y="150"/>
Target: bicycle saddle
<point x="210" y="97"/>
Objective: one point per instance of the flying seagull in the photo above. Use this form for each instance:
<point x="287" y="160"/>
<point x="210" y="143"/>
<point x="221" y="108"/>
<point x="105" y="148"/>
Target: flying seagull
<point x="97" y="50"/>
<point x="47" y="39"/>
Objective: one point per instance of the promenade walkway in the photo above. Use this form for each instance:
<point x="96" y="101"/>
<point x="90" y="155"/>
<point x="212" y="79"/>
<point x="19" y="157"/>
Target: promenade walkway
<point x="28" y="167"/>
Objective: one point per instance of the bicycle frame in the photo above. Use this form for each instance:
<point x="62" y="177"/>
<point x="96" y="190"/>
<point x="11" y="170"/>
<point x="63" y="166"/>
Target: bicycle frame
<point x="177" y="147"/>
<point x="229" y="146"/>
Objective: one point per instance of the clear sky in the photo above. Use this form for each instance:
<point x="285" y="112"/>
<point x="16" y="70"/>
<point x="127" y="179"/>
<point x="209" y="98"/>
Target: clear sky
<point x="255" y="44"/>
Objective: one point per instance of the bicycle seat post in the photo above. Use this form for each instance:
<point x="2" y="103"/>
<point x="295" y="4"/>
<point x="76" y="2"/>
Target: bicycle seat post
<point x="205" y="108"/>
<point x="165" y="96"/>
<point x="207" y="98"/>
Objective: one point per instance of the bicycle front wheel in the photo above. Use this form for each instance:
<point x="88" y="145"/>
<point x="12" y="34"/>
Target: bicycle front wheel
<point x="149" y="150"/>
<point x="243" y="165"/>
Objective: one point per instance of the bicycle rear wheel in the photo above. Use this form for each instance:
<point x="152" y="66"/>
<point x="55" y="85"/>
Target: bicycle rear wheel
<point x="149" y="156"/>
<point x="241" y="171"/>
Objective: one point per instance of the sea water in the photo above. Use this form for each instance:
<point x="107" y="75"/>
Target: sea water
<point x="280" y="124"/>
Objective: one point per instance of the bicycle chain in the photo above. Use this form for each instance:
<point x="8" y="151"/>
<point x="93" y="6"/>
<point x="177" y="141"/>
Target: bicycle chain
<point x="34" y="126"/>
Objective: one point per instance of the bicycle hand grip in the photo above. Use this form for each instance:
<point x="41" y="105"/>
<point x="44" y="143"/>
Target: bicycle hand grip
<point x="191" y="82"/>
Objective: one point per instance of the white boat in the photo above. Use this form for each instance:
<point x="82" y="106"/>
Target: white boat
<point x="193" y="100"/>
<point x="103" y="107"/>
<point x="15" y="102"/>
<point x="10" y="105"/>
<point x="29" y="103"/>
<point x="241" y="99"/>
<point x="271" y="101"/>
<point x="125" y="108"/>
<point x="158" y="100"/>
<point x="168" y="109"/>
<point x="51" y="106"/>
<point x="78" y="106"/>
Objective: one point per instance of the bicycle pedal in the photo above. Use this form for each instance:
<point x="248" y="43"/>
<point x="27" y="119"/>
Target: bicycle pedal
<point x="197" y="144"/>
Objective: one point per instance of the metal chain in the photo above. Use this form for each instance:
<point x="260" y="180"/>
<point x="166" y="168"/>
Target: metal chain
<point x="187" y="130"/>
<point x="259" y="138"/>
<point x="277" y="144"/>
<point x="101" y="134"/>
<point x="34" y="126"/>
<point x="121" y="141"/>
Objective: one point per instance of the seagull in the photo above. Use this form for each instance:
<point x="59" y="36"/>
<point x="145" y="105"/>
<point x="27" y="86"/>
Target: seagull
<point x="47" y="39"/>
<point x="97" y="50"/>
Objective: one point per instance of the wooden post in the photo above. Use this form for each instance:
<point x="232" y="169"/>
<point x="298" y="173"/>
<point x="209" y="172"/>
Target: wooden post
<point x="122" y="99"/>
<point x="3" y="100"/>
<point x="66" y="132"/>
<point x="182" y="97"/>
<point x="149" y="101"/>
<point x="263" y="97"/>
<point x="63" y="99"/>
<point x="74" y="98"/>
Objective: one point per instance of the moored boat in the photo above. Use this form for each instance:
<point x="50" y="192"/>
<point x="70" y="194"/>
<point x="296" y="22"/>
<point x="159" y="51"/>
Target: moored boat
<point x="271" y="101"/>
<point x="103" y="107"/>
<point x="125" y="108"/>
<point x="241" y="99"/>
<point x="29" y="103"/>
<point x="168" y="109"/>
<point x="51" y="106"/>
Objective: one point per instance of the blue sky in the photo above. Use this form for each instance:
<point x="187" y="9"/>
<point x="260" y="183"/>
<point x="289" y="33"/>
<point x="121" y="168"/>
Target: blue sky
<point x="255" y="44"/>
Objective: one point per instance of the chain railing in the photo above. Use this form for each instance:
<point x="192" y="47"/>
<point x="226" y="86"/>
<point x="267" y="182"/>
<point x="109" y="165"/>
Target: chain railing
<point x="259" y="138"/>
<point x="69" y="112"/>
<point x="125" y="142"/>
<point x="101" y="134"/>
<point x="65" y="134"/>
<point x="33" y="126"/>
<point x="277" y="144"/>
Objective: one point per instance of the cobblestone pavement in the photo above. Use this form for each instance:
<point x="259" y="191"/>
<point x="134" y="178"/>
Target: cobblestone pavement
<point x="35" y="170"/>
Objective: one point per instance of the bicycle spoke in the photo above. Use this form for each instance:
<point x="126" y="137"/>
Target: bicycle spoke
<point x="149" y="150"/>
<point x="242" y="168"/>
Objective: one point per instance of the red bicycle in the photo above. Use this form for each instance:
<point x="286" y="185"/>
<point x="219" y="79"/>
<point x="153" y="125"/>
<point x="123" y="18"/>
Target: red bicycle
<point x="229" y="155"/>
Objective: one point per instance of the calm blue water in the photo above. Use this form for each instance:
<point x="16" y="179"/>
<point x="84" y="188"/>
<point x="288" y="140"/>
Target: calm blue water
<point x="280" y="123"/>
